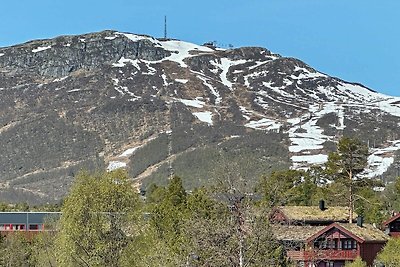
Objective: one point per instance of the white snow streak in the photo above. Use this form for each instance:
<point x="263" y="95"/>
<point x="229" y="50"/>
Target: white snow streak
<point x="264" y="124"/>
<point x="212" y="89"/>
<point x="41" y="48"/>
<point x="74" y="90"/>
<point x="181" y="81"/>
<point x="192" y="103"/>
<point x="129" y="152"/>
<point x="224" y="65"/>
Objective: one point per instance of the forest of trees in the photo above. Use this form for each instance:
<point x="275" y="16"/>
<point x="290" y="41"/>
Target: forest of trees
<point x="106" y="222"/>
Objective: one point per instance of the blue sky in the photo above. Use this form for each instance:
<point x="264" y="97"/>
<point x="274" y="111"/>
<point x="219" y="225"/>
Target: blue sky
<point x="356" y="40"/>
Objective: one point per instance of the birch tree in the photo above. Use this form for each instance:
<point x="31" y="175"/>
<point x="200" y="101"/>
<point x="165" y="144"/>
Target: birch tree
<point x="95" y="220"/>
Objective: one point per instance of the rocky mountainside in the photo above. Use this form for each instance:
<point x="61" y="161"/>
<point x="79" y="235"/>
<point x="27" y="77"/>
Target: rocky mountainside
<point x="153" y="106"/>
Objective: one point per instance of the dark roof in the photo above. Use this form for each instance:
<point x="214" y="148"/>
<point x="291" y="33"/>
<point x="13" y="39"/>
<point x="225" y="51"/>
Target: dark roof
<point x="394" y="218"/>
<point x="315" y="214"/>
<point x="26" y="217"/>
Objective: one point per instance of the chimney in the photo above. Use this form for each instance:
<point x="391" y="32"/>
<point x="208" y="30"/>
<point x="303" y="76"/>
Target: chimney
<point x="360" y="221"/>
<point x="322" y="205"/>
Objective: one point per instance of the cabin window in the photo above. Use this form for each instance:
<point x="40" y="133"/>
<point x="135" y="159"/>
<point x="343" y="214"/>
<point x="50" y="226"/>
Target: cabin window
<point x="329" y="264"/>
<point x="349" y="244"/>
<point x="19" y="226"/>
<point x="33" y="227"/>
<point x="395" y="227"/>
<point x="332" y="243"/>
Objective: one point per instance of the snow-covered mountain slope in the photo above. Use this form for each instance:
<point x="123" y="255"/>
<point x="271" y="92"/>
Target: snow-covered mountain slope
<point x="109" y="100"/>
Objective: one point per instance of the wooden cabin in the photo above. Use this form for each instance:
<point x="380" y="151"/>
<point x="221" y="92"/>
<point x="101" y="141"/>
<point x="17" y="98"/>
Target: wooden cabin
<point x="332" y="245"/>
<point x="310" y="215"/>
<point x="25" y="221"/>
<point x="392" y="226"/>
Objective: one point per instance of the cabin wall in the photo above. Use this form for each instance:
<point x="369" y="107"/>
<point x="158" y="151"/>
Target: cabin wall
<point x="395" y="234"/>
<point x="368" y="251"/>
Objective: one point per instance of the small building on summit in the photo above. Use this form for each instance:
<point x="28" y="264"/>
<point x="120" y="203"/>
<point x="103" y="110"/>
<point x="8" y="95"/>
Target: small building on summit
<point x="392" y="226"/>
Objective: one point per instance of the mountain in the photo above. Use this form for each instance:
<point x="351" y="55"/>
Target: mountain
<point x="108" y="100"/>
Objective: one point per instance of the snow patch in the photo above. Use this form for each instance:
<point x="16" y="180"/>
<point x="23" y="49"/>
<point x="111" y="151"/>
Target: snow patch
<point x="264" y="124"/>
<point x="113" y="165"/>
<point x="1" y="54"/>
<point x="164" y="77"/>
<point x="181" y="50"/>
<point x="41" y="48"/>
<point x="136" y="38"/>
<point x="381" y="159"/>
<point x="310" y="159"/>
<point x="60" y="79"/>
<point x="224" y="66"/>
<point x="390" y="106"/>
<point x="150" y="69"/>
<point x="205" y="116"/>
<point x="192" y="103"/>
<point x="122" y="63"/>
<point x="181" y="81"/>
<point x="129" y="152"/>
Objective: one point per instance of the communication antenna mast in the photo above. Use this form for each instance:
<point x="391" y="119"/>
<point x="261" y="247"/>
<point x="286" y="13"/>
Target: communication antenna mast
<point x="165" y="27"/>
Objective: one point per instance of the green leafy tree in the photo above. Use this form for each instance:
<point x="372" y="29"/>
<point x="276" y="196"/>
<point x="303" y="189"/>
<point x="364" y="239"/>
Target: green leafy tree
<point x="15" y="250"/>
<point x="356" y="263"/>
<point x="44" y="249"/>
<point x="168" y="211"/>
<point x="369" y="204"/>
<point x="390" y="255"/>
<point x="97" y="216"/>
<point x="345" y="164"/>
<point x="148" y="249"/>
<point x="289" y="187"/>
<point x="392" y="196"/>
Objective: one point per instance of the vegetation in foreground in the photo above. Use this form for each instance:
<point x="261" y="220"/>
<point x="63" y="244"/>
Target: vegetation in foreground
<point x="105" y="222"/>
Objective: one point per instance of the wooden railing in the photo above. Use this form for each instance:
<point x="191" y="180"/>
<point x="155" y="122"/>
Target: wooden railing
<point x="326" y="254"/>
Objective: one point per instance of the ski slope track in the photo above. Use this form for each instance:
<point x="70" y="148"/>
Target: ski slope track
<point x="111" y="100"/>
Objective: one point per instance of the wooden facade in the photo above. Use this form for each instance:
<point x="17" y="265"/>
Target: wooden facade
<point x="340" y="242"/>
<point x="392" y="226"/>
<point x="312" y="237"/>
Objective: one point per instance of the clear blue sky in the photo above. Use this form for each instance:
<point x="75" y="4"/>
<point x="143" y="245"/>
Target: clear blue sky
<point x="356" y="40"/>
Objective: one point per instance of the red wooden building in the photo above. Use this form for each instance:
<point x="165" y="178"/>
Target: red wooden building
<point x="28" y="222"/>
<point x="392" y="226"/>
<point x="332" y="245"/>
<point x="322" y="236"/>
